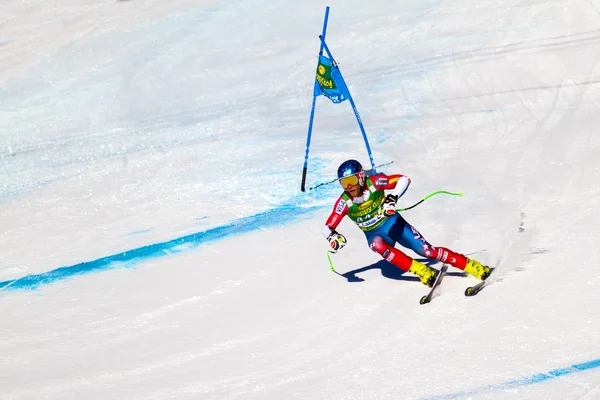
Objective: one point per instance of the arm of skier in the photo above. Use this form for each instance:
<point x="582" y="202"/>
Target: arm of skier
<point x="335" y="239"/>
<point x="397" y="183"/>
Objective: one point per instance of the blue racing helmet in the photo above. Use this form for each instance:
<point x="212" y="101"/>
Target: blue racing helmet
<point x="350" y="167"/>
<point x="351" y="174"/>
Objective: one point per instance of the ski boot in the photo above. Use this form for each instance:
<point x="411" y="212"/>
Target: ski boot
<point x="476" y="269"/>
<point x="426" y="274"/>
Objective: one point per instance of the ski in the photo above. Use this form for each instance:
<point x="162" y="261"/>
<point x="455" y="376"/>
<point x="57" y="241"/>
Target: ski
<point x="427" y="298"/>
<point x="473" y="290"/>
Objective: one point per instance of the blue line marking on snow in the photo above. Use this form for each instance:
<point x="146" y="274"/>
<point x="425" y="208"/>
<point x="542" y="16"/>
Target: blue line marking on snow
<point x="529" y="380"/>
<point x="130" y="257"/>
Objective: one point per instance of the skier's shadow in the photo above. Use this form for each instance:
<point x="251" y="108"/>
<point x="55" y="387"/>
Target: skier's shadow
<point x="390" y="271"/>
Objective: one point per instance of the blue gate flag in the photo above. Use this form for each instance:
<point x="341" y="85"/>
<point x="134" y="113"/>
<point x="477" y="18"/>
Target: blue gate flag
<point x="329" y="81"/>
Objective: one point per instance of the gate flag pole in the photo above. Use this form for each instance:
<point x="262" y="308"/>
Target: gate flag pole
<point x="314" y="101"/>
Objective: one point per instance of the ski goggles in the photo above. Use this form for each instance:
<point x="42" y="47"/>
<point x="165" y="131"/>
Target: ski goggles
<point x="348" y="182"/>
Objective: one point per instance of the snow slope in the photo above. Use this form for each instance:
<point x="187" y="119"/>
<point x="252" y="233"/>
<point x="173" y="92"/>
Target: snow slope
<point x="154" y="243"/>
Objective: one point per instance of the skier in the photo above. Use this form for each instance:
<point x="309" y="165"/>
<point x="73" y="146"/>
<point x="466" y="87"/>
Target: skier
<point x="364" y="200"/>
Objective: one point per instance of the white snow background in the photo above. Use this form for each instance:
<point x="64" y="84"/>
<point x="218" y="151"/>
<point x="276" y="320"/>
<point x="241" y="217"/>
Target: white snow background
<point x="154" y="243"/>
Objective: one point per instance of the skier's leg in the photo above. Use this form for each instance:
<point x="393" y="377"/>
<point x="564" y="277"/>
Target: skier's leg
<point x="381" y="243"/>
<point x="395" y="256"/>
<point x="390" y="253"/>
<point x="412" y="239"/>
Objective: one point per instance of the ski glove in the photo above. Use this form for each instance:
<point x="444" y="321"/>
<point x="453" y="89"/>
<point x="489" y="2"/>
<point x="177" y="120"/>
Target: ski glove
<point x="336" y="241"/>
<point x="389" y="205"/>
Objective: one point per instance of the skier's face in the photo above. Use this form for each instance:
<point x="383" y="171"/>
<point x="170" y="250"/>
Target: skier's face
<point x="355" y="190"/>
<point x="352" y="184"/>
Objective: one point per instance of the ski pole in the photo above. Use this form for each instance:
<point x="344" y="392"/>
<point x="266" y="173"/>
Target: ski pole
<point x="428" y="196"/>
<point x="329" y="258"/>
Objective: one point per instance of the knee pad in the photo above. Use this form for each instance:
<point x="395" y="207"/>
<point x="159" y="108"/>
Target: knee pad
<point x="391" y="254"/>
<point x="378" y="245"/>
<point x="430" y="252"/>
